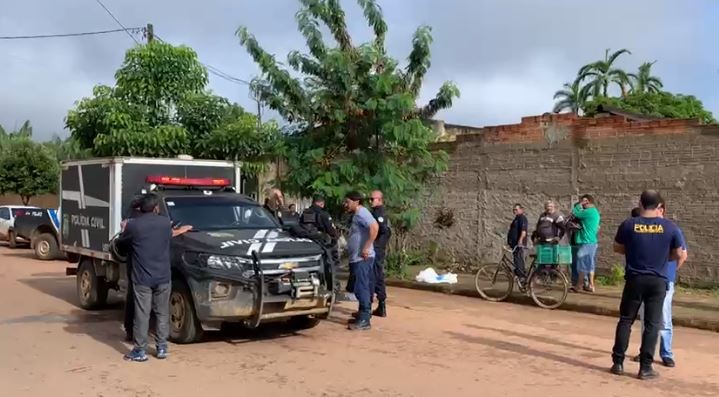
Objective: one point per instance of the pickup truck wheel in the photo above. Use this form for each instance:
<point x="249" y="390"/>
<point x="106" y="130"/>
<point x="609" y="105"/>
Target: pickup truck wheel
<point x="45" y="247"/>
<point x="12" y="239"/>
<point x="184" y="325"/>
<point x="91" y="290"/>
<point x="304" y="322"/>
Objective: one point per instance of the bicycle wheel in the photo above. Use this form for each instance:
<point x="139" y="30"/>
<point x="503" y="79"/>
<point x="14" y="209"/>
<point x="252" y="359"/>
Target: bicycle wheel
<point x="494" y="283"/>
<point x="548" y="287"/>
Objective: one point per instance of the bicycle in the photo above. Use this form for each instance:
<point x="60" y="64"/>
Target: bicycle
<point x="541" y="281"/>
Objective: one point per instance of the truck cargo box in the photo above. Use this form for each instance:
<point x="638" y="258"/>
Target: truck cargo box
<point x="96" y="195"/>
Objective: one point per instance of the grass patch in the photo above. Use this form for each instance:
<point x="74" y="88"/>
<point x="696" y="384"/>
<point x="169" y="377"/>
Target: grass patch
<point x="614" y="278"/>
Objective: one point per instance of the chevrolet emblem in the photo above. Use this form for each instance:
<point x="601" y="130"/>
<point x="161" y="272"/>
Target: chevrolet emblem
<point x="288" y="265"/>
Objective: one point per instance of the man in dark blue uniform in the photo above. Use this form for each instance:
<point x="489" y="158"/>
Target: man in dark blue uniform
<point x="380" y="247"/>
<point x="317" y="216"/>
<point x="147" y="238"/>
<point x="648" y="243"/>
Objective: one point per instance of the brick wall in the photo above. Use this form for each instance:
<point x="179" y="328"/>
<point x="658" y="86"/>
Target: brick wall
<point x="560" y="157"/>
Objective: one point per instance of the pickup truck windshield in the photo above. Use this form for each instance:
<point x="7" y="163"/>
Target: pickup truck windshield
<point x="218" y="213"/>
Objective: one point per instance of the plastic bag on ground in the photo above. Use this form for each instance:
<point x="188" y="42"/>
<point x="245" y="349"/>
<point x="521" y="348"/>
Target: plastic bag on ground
<point x="430" y="276"/>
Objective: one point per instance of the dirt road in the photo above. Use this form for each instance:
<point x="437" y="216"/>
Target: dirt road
<point x="431" y="345"/>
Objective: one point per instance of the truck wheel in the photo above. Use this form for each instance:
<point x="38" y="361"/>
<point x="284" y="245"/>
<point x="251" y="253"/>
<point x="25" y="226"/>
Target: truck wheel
<point x="12" y="239"/>
<point x="45" y="247"/>
<point x="91" y="290"/>
<point x="184" y="325"/>
<point x="304" y="322"/>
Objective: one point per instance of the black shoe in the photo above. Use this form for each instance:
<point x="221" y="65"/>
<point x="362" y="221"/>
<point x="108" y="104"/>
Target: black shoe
<point x="617" y="369"/>
<point x="647" y="373"/>
<point x="668" y="362"/>
<point x="360" y="325"/>
<point x="381" y="310"/>
<point x="637" y="358"/>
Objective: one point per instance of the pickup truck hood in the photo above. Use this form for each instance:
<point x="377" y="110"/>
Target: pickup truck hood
<point x="269" y="243"/>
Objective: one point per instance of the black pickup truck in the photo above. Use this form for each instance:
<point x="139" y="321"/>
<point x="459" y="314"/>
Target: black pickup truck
<point x="40" y="227"/>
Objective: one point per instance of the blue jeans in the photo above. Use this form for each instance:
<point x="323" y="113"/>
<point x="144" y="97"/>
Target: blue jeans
<point x="665" y="331"/>
<point x="576" y="268"/>
<point x="363" y="274"/>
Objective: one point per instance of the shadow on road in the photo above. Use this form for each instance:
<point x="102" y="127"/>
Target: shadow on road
<point x="20" y="253"/>
<point x="538" y="338"/>
<point x="525" y="350"/>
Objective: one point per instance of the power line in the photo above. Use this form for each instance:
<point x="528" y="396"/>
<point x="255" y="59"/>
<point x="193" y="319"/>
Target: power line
<point x="118" y="22"/>
<point x="217" y="72"/>
<point x="46" y="36"/>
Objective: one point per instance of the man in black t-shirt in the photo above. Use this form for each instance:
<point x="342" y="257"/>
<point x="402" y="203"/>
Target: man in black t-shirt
<point x="517" y="239"/>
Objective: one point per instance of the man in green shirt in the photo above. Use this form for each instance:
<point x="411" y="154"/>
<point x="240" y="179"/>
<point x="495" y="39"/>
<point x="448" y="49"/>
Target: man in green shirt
<point x="586" y="240"/>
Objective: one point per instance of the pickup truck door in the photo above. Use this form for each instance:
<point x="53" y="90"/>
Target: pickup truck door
<point x="5" y="220"/>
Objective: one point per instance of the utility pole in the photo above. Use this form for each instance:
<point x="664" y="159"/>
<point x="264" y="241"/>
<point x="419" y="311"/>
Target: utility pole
<point x="150" y="33"/>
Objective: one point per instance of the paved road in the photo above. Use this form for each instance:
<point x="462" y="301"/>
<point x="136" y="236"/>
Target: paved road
<point x="432" y="345"/>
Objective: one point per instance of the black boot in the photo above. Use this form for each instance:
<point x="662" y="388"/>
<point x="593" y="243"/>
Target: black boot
<point x="647" y="373"/>
<point x="360" y="325"/>
<point x="381" y="310"/>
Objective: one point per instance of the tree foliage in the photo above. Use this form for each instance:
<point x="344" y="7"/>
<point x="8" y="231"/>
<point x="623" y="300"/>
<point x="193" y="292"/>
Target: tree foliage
<point x="601" y="74"/>
<point x="640" y="93"/>
<point x="27" y="168"/>
<point x="643" y="81"/>
<point x="353" y="112"/>
<point x="572" y="97"/>
<point x="661" y="104"/>
<point x="159" y="107"/>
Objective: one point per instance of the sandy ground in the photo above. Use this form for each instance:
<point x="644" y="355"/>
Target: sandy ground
<point x="431" y="345"/>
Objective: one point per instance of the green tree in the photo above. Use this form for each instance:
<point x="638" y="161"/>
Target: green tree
<point x="601" y="74"/>
<point x="66" y="149"/>
<point x="353" y="114"/>
<point x="27" y="169"/>
<point x="660" y="104"/>
<point x="643" y="81"/>
<point x="159" y="107"/>
<point x="572" y="98"/>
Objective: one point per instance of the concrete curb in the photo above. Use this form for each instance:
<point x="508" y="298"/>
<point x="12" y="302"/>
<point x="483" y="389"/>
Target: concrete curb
<point x="580" y="307"/>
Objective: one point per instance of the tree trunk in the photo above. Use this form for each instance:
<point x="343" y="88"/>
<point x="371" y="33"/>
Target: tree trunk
<point x="25" y="199"/>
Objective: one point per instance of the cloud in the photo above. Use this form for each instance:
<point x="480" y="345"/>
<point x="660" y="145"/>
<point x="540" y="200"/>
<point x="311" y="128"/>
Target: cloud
<point x="508" y="57"/>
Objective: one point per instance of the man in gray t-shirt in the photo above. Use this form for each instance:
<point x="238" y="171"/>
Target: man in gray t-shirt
<point x="360" y="247"/>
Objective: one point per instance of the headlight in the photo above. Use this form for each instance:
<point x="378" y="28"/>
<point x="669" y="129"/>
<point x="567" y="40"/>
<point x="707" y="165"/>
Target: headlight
<point x="222" y="262"/>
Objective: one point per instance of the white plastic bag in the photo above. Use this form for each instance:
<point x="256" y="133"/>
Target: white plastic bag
<point x="430" y="276"/>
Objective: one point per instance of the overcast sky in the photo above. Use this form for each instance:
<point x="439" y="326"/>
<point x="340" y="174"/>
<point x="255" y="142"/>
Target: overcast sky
<point x="508" y="57"/>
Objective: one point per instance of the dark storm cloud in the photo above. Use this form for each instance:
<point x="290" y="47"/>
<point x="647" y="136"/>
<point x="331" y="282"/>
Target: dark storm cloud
<point x="508" y="57"/>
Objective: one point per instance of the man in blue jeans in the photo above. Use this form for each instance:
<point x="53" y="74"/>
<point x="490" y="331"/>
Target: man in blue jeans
<point x="666" y="329"/>
<point x="360" y="247"/>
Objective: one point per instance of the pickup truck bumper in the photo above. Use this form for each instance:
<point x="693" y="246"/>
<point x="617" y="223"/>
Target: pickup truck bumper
<point x="222" y="301"/>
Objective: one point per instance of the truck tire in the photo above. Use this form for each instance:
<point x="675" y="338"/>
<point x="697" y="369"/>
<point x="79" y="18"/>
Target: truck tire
<point x="303" y="322"/>
<point x="91" y="290"/>
<point x="45" y="247"/>
<point x="12" y="239"/>
<point x="184" y="325"/>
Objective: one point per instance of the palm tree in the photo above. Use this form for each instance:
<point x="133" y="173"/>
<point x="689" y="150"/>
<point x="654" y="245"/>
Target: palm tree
<point x="602" y="74"/>
<point x="572" y="97"/>
<point x="644" y="81"/>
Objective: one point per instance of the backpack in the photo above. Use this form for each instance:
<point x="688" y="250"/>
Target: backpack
<point x="572" y="225"/>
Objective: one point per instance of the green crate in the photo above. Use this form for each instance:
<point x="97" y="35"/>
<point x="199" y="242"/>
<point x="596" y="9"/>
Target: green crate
<point x="546" y="254"/>
<point x="550" y="254"/>
<point x="564" y="255"/>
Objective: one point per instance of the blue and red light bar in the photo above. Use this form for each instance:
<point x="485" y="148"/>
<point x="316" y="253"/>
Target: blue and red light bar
<point x="177" y="181"/>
